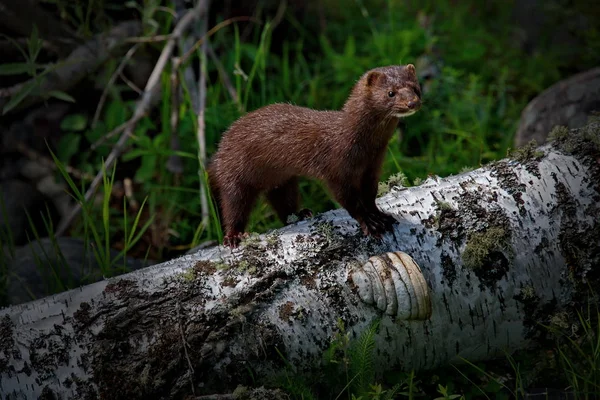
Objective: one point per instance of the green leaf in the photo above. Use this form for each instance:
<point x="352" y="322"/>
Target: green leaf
<point x="68" y="146"/>
<point x="19" y="96"/>
<point x="115" y="114"/>
<point x="74" y="122"/>
<point x="146" y="170"/>
<point x="94" y="134"/>
<point x="15" y="68"/>
<point x="62" y="96"/>
<point x="34" y="44"/>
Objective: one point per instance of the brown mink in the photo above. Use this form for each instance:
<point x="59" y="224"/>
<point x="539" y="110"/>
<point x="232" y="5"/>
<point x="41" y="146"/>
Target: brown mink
<point x="266" y="151"/>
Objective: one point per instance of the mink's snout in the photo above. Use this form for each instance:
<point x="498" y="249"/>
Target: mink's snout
<point x="414" y="104"/>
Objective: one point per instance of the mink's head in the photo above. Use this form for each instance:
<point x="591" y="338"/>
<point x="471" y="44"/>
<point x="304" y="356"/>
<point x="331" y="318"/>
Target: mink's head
<point x="392" y="91"/>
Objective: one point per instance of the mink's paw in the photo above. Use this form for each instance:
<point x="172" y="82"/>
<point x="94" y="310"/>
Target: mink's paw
<point x="305" y="213"/>
<point x="232" y="240"/>
<point x="377" y="223"/>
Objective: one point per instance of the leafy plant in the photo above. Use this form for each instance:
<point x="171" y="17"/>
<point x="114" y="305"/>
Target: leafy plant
<point x="100" y="234"/>
<point x="31" y="68"/>
<point x="578" y="348"/>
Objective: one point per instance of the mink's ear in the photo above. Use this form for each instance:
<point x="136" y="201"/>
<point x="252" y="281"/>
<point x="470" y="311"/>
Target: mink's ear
<point x="411" y="69"/>
<point x="373" y="77"/>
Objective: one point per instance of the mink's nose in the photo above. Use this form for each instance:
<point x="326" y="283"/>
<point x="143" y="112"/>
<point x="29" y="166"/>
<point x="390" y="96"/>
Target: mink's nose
<point x="414" y="104"/>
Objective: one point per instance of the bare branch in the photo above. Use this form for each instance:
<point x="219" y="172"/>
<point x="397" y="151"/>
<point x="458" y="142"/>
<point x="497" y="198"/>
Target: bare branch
<point x="130" y="83"/>
<point x="35" y="156"/>
<point x="202" y="127"/>
<point x="174" y="163"/>
<point x="214" y="30"/>
<point x="109" y="135"/>
<point x="223" y="74"/>
<point x="149" y="39"/>
<point x="111" y="82"/>
<point x="279" y="14"/>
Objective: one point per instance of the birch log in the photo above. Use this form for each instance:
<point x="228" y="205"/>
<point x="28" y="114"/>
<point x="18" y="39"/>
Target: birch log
<point x="500" y="249"/>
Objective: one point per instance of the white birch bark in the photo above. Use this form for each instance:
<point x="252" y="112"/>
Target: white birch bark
<point x="528" y="232"/>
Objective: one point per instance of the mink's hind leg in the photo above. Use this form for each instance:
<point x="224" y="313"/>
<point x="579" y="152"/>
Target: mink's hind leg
<point x="285" y="200"/>
<point x="236" y="205"/>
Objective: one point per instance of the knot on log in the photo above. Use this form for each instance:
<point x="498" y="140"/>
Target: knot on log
<point x="395" y="284"/>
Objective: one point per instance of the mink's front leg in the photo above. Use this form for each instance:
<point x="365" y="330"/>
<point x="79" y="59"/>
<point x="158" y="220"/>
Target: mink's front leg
<point x="361" y="206"/>
<point x="376" y="222"/>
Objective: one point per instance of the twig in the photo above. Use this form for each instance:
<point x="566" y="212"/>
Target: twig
<point x="109" y="135"/>
<point x="35" y="156"/>
<point x="222" y="73"/>
<point x="10" y="91"/>
<point x="201" y="125"/>
<point x="128" y="187"/>
<point x="212" y="31"/>
<point x="129" y="83"/>
<point x="144" y="104"/>
<point x="111" y="82"/>
<point x="167" y="10"/>
<point x="174" y="163"/>
<point x="149" y="39"/>
<point x="279" y="14"/>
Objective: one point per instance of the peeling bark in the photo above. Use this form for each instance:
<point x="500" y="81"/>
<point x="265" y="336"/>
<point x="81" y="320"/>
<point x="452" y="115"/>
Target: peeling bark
<point x="500" y="249"/>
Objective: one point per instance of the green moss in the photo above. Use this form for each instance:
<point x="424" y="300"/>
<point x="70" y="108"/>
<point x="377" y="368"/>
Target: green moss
<point x="252" y="239"/>
<point x="528" y="293"/>
<point x="242" y="265"/>
<point x="188" y="275"/>
<point x="417" y="181"/>
<point x="325" y="229"/>
<point x="382" y="188"/>
<point x="528" y="152"/>
<point x="560" y="320"/>
<point x="443" y="205"/>
<point x="222" y="266"/>
<point x="272" y="239"/>
<point x="292" y="219"/>
<point x="572" y="140"/>
<point x="559" y="132"/>
<point x="398" y="179"/>
<point x="481" y="244"/>
<point x="591" y="132"/>
<point x="466" y="169"/>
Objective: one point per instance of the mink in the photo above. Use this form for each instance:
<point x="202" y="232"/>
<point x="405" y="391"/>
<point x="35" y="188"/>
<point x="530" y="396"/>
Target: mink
<point x="266" y="151"/>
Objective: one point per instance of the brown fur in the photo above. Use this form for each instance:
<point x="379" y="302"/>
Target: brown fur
<point x="267" y="149"/>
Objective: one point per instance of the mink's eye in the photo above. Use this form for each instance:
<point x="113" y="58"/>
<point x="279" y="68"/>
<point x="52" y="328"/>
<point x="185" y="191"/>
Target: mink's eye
<point x="391" y="94"/>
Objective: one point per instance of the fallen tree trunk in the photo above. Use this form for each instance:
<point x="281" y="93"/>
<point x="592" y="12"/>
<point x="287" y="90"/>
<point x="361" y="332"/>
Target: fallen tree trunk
<point x="500" y="249"/>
